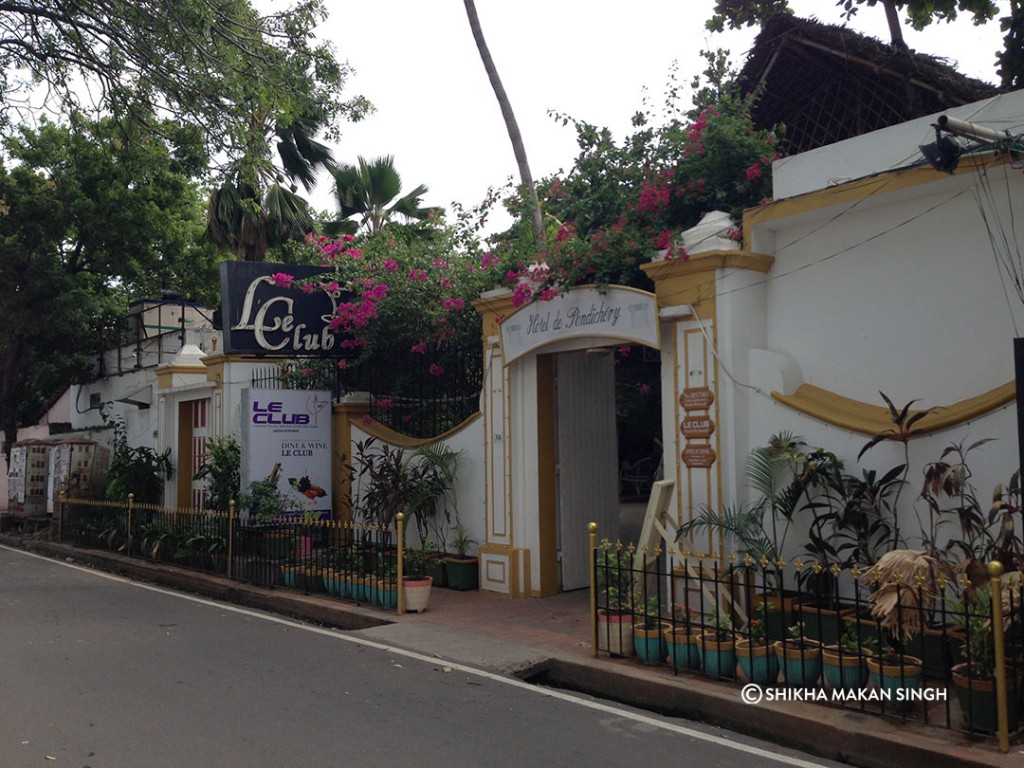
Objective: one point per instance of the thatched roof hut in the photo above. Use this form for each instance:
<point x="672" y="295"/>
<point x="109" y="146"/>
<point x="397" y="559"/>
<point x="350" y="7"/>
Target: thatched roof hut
<point x="827" y="83"/>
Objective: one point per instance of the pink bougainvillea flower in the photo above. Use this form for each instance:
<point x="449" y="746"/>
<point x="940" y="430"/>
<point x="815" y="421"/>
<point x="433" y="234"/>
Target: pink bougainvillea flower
<point x="343" y="364"/>
<point x="367" y="420"/>
<point x="436" y="370"/>
<point x="645" y="389"/>
<point x="453" y="304"/>
<point x="282" y="280"/>
<point x="306" y="373"/>
<point x="390" y="265"/>
<point x="753" y="171"/>
<point x="307" y="288"/>
<point x="385" y="403"/>
<point x="521" y="295"/>
<point x="418" y="274"/>
<point x="419" y="349"/>
<point x="440" y="263"/>
<point x="548" y="294"/>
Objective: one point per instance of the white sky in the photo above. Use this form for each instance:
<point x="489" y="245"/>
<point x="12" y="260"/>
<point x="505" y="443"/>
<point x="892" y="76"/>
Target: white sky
<point x="436" y="112"/>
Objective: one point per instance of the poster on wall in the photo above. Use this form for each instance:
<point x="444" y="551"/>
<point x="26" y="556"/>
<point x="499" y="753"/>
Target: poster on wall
<point x="286" y="436"/>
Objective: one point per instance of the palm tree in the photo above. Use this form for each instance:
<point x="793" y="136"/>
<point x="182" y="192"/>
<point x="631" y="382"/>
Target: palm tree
<point x="258" y="205"/>
<point x="368" y="196"/>
<point x="518" y="148"/>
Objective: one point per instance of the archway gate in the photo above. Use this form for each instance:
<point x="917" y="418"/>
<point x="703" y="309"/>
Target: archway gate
<point x="538" y="361"/>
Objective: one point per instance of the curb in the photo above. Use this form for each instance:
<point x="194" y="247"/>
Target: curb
<point x="832" y="733"/>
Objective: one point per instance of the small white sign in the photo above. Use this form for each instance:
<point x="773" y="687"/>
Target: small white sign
<point x="626" y="315"/>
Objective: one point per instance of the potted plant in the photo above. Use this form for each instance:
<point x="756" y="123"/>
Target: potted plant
<point x="974" y="679"/>
<point x="799" y="656"/>
<point x="649" y="633"/>
<point x="842" y="663"/>
<point x="894" y="672"/>
<point x="615" y="598"/>
<point x="755" y="655"/>
<point x="718" y="646"/>
<point x="681" y="638"/>
<point x="416" y="581"/>
<point x="904" y="584"/>
<point x="462" y="568"/>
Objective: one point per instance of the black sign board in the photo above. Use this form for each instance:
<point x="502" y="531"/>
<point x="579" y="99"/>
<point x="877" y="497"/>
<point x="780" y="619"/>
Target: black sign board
<point x="262" y="318"/>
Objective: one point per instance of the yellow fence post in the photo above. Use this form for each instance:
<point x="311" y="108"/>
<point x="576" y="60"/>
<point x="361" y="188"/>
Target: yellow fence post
<point x="995" y="570"/>
<point x="128" y="529"/>
<point x="399" y="522"/>
<point x="592" y="531"/>
<point x="231" y="538"/>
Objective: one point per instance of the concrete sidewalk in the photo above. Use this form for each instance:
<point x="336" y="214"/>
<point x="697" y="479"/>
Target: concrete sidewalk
<point x="548" y="640"/>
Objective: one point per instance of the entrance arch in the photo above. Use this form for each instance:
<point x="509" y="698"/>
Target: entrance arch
<point x="551" y="450"/>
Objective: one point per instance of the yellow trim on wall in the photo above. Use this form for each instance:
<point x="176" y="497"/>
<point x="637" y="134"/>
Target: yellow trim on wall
<point x="398" y="440"/>
<point x="868" y="419"/>
<point x="859" y="189"/>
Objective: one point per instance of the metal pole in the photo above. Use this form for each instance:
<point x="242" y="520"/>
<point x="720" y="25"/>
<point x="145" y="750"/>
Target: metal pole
<point x="231" y="538"/>
<point x="399" y="523"/>
<point x="592" y="531"/>
<point x="128" y="529"/>
<point x="995" y="570"/>
<point x="1018" y="367"/>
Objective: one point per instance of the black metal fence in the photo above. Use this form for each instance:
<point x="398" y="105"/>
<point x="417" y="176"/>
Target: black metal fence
<point x="407" y="394"/>
<point x="361" y="563"/>
<point x="937" y="649"/>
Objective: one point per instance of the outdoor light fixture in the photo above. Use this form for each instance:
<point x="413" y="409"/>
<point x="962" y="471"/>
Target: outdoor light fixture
<point x="944" y="153"/>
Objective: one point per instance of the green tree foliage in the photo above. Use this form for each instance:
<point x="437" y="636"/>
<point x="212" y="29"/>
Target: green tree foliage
<point x="369" y="196"/>
<point x="257" y="89"/>
<point x="622" y="200"/>
<point x="90" y="216"/>
<point x="919" y="14"/>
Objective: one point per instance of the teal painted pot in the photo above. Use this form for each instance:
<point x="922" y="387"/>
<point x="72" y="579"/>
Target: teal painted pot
<point x="758" y="662"/>
<point x="976" y="697"/>
<point x="800" y="663"/>
<point x="844" y="671"/>
<point x="335" y="583"/>
<point x="897" y="681"/>
<point x="386" y="595"/>
<point x="649" y="643"/>
<point x="683" y="650"/>
<point x="718" y="657"/>
<point x="290" y="576"/>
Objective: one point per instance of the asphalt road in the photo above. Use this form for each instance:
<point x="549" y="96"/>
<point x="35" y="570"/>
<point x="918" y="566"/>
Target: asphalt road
<point x="99" y="672"/>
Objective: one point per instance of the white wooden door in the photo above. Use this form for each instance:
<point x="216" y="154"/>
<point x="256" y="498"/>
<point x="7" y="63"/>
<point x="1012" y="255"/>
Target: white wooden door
<point x="588" y="478"/>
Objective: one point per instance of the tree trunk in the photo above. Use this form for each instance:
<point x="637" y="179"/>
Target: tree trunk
<point x="8" y="385"/>
<point x="510" y="124"/>
<point x="892" y="18"/>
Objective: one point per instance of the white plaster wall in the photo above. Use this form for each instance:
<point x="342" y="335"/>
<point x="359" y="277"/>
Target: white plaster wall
<point x="899" y="294"/>
<point x="888" y="148"/>
<point x="470" y="480"/>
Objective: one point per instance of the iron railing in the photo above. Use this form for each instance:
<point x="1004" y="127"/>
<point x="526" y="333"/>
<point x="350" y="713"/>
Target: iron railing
<point x="949" y="653"/>
<point x="363" y="563"/>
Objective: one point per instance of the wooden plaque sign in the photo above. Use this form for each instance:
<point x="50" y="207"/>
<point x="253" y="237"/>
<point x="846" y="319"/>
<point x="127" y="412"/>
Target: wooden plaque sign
<point x="697" y="398"/>
<point x="697" y="427"/>
<point x="699" y="456"/>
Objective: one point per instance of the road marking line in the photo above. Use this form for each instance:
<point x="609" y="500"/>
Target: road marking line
<point x="337" y="634"/>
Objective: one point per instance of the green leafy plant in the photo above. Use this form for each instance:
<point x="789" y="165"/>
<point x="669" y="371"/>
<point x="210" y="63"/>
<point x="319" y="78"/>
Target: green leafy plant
<point x="221" y="469"/>
<point x="720" y="624"/>
<point x="462" y="541"/>
<point x="139" y="471"/>
<point x="264" y="500"/>
<point x="615" y="578"/>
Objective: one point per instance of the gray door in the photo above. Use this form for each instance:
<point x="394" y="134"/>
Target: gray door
<point x="588" y="476"/>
